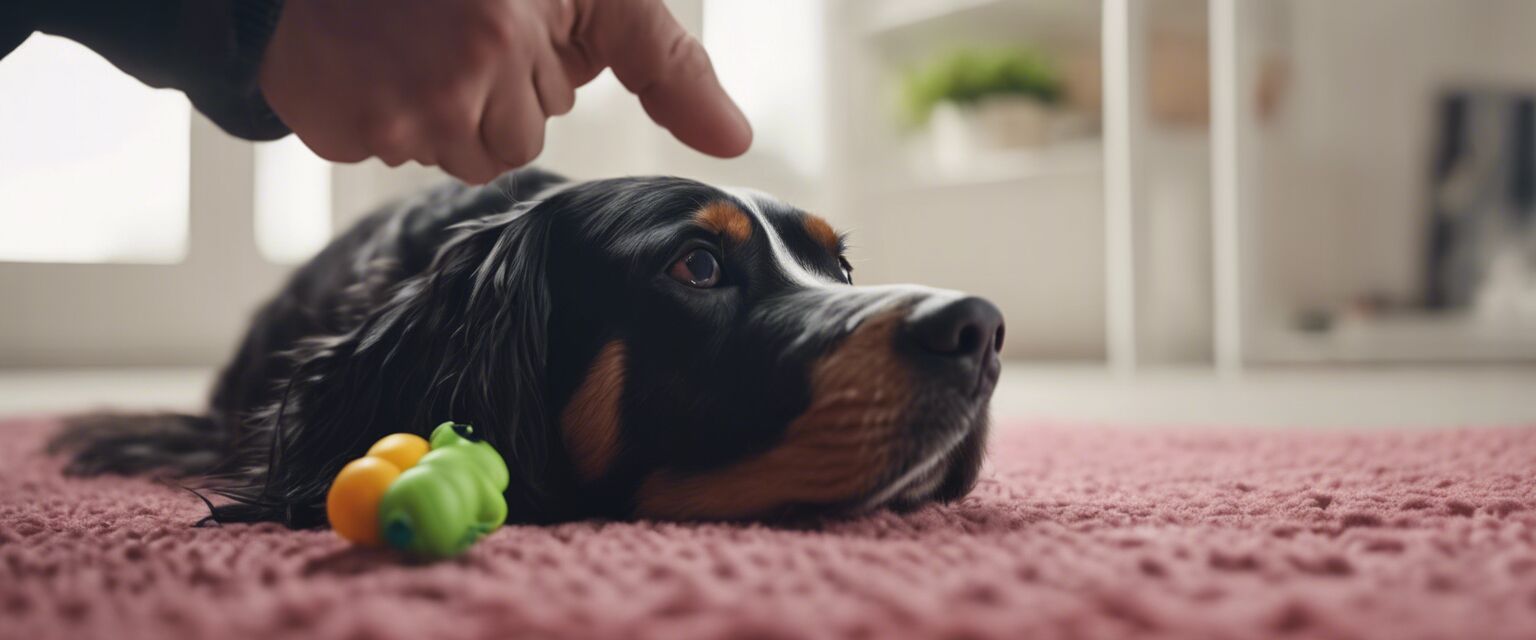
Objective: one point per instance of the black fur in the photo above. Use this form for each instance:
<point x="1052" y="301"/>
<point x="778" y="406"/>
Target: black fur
<point x="134" y="444"/>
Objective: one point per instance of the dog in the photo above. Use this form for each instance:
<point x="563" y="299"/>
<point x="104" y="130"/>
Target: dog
<point x="645" y="347"/>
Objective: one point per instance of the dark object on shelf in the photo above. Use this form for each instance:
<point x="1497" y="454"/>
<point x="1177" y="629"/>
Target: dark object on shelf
<point x="1482" y="192"/>
<point x="1314" y="321"/>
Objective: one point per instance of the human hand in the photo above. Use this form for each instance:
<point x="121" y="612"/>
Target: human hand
<point x="469" y="84"/>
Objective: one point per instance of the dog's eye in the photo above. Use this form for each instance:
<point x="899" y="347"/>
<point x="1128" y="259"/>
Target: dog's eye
<point x="847" y="269"/>
<point x="698" y="269"/>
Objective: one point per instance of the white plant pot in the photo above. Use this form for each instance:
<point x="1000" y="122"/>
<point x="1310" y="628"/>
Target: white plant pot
<point x="960" y="134"/>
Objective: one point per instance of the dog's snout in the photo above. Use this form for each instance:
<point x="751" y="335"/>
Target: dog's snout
<point x="967" y="327"/>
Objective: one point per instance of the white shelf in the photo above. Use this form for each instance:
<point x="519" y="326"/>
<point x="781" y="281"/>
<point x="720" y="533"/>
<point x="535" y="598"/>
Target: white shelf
<point x="1056" y="161"/>
<point x="1446" y="338"/>
<point x="900" y="19"/>
<point x="891" y="16"/>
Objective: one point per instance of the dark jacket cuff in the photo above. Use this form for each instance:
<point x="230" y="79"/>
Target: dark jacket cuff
<point x="246" y="113"/>
<point x="211" y="50"/>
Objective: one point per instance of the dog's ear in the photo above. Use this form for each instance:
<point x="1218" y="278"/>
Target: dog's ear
<point x="464" y="341"/>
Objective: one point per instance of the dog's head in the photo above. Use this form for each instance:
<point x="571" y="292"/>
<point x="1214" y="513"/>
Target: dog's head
<point x="709" y="356"/>
<point x="663" y="348"/>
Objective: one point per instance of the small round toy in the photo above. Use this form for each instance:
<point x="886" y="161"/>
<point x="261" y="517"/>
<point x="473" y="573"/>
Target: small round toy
<point x="428" y="498"/>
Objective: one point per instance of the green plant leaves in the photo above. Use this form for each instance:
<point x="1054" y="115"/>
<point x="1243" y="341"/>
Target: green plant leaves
<point x="966" y="76"/>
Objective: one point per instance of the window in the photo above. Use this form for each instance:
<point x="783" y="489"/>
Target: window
<point x="93" y="165"/>
<point x="293" y="201"/>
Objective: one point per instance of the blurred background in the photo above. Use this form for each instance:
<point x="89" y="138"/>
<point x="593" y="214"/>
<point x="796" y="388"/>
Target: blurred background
<point x="1280" y="213"/>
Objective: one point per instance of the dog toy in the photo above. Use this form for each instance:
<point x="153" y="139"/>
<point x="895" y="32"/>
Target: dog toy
<point x="431" y="499"/>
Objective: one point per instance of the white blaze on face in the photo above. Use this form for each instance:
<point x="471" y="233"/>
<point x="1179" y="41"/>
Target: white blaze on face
<point x="871" y="299"/>
<point x="787" y="262"/>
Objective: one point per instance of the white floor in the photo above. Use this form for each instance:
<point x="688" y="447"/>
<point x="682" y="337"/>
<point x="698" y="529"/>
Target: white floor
<point x="1331" y="398"/>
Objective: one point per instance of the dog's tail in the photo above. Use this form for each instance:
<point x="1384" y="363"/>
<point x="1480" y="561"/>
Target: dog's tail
<point x="171" y="444"/>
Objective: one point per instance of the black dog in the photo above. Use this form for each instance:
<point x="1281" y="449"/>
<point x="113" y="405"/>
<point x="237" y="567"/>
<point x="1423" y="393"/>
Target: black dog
<point x="651" y="347"/>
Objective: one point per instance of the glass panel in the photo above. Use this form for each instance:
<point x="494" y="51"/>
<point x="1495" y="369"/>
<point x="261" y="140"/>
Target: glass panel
<point x="93" y="164"/>
<point x="293" y="201"/>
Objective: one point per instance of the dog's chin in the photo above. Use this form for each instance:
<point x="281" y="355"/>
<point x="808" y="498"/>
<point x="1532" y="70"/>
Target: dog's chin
<point x="944" y="464"/>
<point x="943" y="475"/>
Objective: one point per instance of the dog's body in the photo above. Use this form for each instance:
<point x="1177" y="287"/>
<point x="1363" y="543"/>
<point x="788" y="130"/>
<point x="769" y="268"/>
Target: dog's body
<point x="637" y="347"/>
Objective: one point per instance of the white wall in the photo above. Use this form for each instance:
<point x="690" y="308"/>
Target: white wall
<point x="1033" y="246"/>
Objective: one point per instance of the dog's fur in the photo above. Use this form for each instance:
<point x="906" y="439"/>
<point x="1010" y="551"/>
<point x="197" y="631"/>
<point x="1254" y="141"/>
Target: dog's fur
<point x="551" y="315"/>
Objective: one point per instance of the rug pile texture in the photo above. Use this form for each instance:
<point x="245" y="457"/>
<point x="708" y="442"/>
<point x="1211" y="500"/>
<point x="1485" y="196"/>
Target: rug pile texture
<point x="1075" y="532"/>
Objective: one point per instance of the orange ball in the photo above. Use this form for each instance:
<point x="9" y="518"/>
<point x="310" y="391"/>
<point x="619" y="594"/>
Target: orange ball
<point x="353" y="501"/>
<point x="402" y="449"/>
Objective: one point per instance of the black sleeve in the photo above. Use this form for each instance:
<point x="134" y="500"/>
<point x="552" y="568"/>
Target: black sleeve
<point x="208" y="49"/>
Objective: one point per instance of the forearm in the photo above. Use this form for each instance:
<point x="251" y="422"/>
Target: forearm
<point x="209" y="49"/>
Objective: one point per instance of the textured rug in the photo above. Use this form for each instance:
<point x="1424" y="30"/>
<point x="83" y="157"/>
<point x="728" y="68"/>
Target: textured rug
<point x="1074" y="533"/>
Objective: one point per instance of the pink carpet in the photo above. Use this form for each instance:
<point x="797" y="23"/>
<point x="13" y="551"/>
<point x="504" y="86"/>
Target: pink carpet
<point x="1074" y="533"/>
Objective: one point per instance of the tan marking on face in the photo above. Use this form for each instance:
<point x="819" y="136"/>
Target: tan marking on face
<point x="590" y="422"/>
<point x="837" y="451"/>
<point x="821" y="232"/>
<point x="725" y="219"/>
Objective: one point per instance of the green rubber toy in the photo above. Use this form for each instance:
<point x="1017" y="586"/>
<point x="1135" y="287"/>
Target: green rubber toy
<point x="450" y="498"/>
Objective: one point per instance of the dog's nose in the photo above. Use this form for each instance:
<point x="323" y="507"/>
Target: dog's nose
<point x="967" y="327"/>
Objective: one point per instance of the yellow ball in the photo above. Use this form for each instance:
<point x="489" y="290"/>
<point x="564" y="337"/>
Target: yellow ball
<point x="402" y="449"/>
<point x="353" y="501"/>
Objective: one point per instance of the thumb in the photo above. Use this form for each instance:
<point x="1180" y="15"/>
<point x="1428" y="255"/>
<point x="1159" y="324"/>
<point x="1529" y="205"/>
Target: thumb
<point x="655" y="59"/>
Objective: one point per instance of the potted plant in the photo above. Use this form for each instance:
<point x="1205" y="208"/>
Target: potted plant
<point x="979" y="100"/>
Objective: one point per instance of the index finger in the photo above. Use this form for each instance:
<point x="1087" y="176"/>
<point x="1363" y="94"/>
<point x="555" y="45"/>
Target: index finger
<point x="655" y="59"/>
